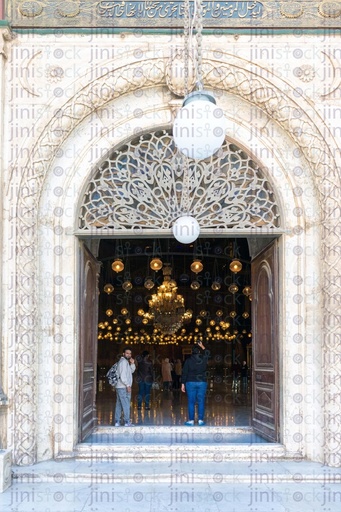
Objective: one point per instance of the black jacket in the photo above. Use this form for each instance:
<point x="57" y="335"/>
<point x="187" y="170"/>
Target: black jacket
<point x="144" y="370"/>
<point x="195" y="367"/>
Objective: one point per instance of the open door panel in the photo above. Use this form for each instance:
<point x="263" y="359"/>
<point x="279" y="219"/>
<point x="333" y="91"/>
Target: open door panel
<point x="88" y="314"/>
<point x="265" y="378"/>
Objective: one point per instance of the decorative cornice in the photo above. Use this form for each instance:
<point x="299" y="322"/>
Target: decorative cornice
<point x="170" y="13"/>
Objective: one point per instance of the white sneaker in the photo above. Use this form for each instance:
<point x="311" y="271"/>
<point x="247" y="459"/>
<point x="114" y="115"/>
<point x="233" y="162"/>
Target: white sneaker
<point x="117" y="424"/>
<point x="128" y="424"/>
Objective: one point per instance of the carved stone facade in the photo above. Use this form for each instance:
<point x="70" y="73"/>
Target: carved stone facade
<point x="70" y="101"/>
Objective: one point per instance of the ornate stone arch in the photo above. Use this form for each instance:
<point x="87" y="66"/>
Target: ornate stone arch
<point x="235" y="78"/>
<point x="146" y="184"/>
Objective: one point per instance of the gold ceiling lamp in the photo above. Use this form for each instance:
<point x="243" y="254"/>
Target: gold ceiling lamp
<point x="117" y="265"/>
<point x="127" y="285"/>
<point x="108" y="288"/>
<point x="195" y="285"/>
<point x="196" y="266"/>
<point x="216" y="283"/>
<point x="233" y="288"/>
<point x="156" y="264"/>
<point x="167" y="307"/>
<point x="247" y="290"/>
<point x="236" y="266"/>
<point x="148" y="283"/>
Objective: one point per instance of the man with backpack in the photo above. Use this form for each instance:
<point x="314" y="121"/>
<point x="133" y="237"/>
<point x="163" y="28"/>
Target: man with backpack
<point x="125" y="370"/>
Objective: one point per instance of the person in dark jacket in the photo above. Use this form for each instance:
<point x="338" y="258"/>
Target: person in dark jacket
<point x="244" y="372"/>
<point x="194" y="382"/>
<point x="144" y="379"/>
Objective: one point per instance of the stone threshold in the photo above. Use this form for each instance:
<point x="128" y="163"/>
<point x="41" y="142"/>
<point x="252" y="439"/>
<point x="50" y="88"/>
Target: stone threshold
<point x="175" y="443"/>
<point x="73" y="471"/>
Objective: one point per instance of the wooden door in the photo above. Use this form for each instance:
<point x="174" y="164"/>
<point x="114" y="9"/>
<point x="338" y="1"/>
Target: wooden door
<point x="265" y="378"/>
<point x="88" y="315"/>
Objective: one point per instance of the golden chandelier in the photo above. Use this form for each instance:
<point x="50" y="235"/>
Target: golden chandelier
<point x="167" y="307"/>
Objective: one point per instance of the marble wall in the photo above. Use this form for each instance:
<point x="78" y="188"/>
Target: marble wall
<point x="67" y="99"/>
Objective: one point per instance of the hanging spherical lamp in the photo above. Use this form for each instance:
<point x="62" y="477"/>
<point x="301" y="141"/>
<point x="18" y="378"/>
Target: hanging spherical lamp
<point x="199" y="126"/>
<point x="195" y="285"/>
<point x="117" y="265"/>
<point x="233" y="288"/>
<point x="127" y="286"/>
<point x="186" y="229"/>
<point x="149" y="283"/>
<point x="196" y="266"/>
<point x="236" y="266"/>
<point x="156" y="264"/>
<point x="247" y="290"/>
<point x="108" y="288"/>
<point x="216" y="286"/>
<point x="109" y="312"/>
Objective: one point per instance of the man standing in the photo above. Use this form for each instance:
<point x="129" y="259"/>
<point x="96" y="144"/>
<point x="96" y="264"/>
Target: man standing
<point x="194" y="382"/>
<point x="243" y="372"/>
<point x="125" y="370"/>
<point x="144" y="379"/>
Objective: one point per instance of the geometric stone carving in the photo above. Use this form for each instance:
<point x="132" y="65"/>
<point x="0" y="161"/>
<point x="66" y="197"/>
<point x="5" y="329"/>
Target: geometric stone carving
<point x="145" y="185"/>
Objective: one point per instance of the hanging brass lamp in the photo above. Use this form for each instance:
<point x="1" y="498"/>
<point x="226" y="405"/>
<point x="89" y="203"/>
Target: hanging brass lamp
<point x="117" y="265"/>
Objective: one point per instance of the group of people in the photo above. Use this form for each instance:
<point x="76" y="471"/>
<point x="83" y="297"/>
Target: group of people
<point x="171" y="372"/>
<point x="193" y="377"/>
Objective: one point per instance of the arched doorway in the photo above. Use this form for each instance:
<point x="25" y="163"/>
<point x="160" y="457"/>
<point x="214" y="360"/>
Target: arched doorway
<point x="141" y="189"/>
<point x="53" y="188"/>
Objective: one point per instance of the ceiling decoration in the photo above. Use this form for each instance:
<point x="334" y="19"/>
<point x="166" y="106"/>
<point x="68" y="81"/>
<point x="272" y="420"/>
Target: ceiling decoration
<point x="178" y="306"/>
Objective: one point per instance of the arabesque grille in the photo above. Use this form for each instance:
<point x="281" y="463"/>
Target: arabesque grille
<point x="143" y="185"/>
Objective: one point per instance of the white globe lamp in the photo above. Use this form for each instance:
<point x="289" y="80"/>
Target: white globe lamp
<point x="199" y="127"/>
<point x="186" y="229"/>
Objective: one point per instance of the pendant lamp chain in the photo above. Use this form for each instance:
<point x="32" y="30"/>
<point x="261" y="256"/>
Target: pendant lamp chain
<point x="187" y="49"/>
<point x="186" y="46"/>
<point x="198" y="37"/>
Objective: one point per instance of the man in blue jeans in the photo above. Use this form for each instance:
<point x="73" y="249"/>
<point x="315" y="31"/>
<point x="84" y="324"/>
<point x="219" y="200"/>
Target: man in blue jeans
<point x="144" y="379"/>
<point x="125" y="370"/>
<point x="194" y="383"/>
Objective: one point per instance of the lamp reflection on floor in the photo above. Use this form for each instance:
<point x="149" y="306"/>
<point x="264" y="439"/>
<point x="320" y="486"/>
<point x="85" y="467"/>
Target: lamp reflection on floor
<point x="224" y="407"/>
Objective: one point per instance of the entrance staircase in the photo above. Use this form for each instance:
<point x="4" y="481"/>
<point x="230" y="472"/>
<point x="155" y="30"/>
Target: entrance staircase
<point x="178" y="469"/>
<point x="196" y="444"/>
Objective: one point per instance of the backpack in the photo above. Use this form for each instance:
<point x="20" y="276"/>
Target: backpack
<point x="113" y="375"/>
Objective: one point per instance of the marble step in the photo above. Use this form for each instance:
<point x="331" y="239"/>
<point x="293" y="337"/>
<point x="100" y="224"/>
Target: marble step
<point x="180" y="443"/>
<point x="241" y="472"/>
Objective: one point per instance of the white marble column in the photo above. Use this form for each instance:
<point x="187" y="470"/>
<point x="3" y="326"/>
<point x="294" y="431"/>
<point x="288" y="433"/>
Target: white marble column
<point x="5" y="36"/>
